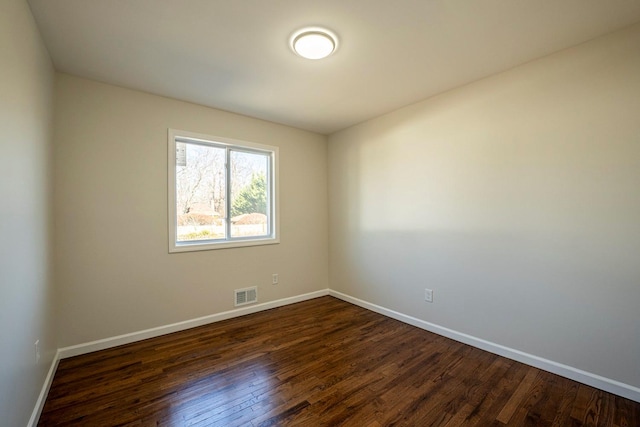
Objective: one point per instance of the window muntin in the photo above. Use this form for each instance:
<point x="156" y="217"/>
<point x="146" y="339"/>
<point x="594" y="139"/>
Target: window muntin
<point x="222" y="193"/>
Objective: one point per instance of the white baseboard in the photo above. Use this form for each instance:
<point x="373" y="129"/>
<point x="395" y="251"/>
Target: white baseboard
<point x="37" y="410"/>
<point x="76" y="350"/>
<point x="588" y="378"/>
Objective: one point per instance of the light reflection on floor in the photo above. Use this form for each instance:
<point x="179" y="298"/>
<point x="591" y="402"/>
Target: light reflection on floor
<point x="214" y="398"/>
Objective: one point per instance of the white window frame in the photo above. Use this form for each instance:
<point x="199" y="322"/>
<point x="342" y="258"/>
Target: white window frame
<point x="175" y="135"/>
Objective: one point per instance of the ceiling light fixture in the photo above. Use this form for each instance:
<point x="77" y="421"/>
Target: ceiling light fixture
<point x="314" y="42"/>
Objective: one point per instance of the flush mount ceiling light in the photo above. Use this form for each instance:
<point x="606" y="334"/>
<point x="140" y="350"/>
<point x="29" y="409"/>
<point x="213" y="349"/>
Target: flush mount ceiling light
<point x="314" y="42"/>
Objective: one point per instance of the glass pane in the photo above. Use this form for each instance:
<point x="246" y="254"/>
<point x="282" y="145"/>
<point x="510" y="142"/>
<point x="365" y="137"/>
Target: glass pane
<point x="249" y="194"/>
<point x="200" y="192"/>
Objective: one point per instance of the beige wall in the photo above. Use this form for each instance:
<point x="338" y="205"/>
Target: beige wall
<point x="26" y="298"/>
<point x="113" y="270"/>
<point x="515" y="198"/>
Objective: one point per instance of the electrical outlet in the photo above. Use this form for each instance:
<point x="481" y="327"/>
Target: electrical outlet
<point x="428" y="295"/>
<point x="274" y="279"/>
<point x="37" y="348"/>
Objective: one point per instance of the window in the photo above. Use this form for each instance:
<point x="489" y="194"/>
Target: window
<point x="222" y="193"/>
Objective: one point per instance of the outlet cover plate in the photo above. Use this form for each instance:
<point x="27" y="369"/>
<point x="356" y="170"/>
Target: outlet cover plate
<point x="428" y="295"/>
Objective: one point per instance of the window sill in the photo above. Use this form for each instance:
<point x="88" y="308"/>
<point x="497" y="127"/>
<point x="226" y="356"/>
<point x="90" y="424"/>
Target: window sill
<point x="193" y="247"/>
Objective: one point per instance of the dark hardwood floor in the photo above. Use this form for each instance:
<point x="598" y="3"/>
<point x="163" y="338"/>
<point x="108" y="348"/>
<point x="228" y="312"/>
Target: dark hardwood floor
<point x="322" y="362"/>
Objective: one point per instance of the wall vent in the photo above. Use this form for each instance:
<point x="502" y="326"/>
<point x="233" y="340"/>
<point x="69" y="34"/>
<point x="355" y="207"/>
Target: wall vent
<point x="246" y="296"/>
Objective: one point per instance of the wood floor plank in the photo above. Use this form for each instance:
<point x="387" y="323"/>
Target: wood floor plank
<point x="322" y="362"/>
<point x="627" y="413"/>
<point x="563" y="412"/>
<point x="516" y="399"/>
<point x="525" y="415"/>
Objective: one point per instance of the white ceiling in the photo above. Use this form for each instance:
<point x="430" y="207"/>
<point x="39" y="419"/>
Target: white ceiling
<point x="234" y="54"/>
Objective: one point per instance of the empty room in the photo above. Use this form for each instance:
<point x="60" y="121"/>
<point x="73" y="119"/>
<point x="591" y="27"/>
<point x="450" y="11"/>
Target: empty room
<point x="304" y="213"/>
